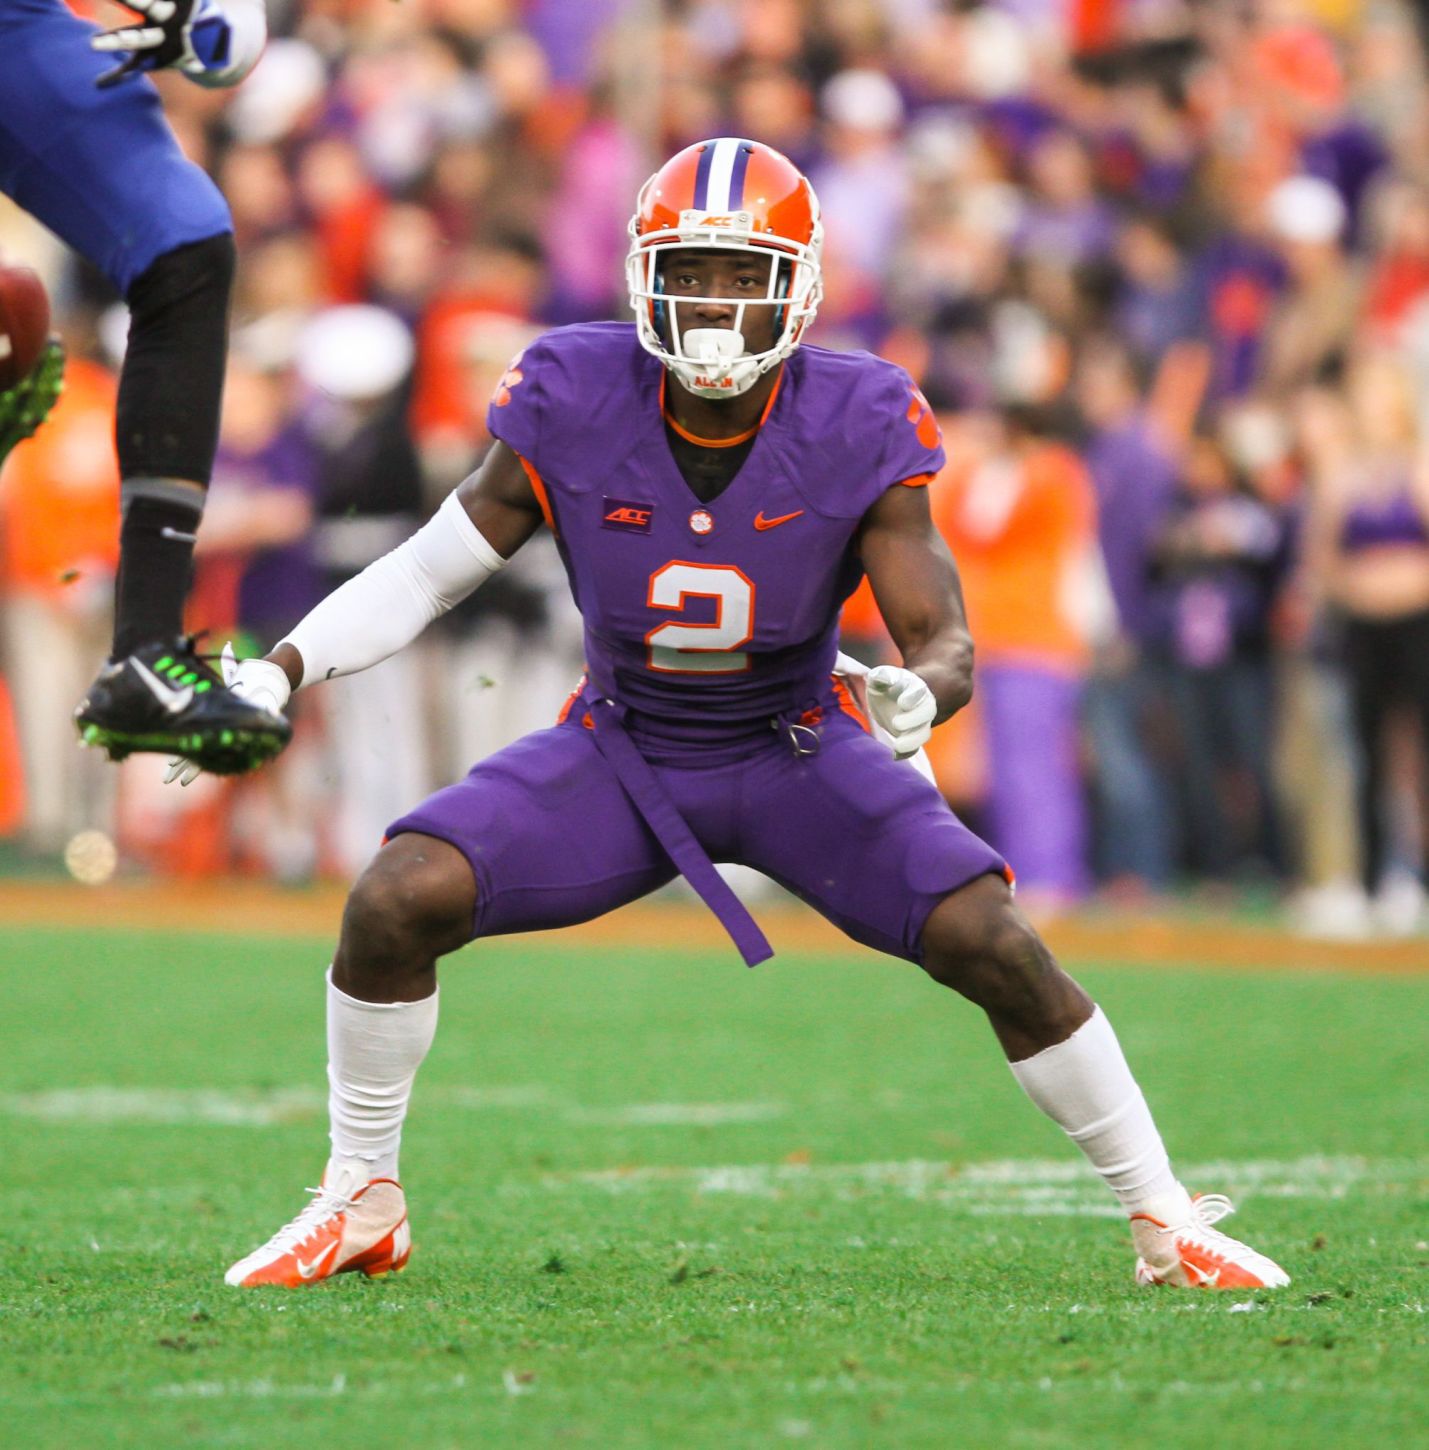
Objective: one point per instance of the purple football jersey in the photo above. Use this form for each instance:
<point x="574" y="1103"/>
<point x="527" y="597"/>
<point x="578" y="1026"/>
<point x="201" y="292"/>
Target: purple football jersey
<point x="709" y="619"/>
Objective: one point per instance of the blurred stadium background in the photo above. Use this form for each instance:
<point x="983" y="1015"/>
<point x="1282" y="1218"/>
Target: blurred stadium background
<point x="1163" y="270"/>
<point x="1161" y="267"/>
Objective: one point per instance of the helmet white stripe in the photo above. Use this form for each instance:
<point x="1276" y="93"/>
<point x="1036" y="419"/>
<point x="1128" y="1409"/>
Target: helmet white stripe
<point x="717" y="198"/>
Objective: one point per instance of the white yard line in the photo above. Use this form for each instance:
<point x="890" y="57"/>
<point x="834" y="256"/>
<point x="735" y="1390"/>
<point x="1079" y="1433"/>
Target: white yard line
<point x="261" y="1108"/>
<point x="231" y="1108"/>
<point x="1002" y="1187"/>
<point x="1009" y="1186"/>
<point x="678" y="1115"/>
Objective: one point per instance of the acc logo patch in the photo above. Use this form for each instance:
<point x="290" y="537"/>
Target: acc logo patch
<point x="624" y="513"/>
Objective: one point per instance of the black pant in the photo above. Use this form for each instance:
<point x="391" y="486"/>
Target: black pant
<point x="1387" y="661"/>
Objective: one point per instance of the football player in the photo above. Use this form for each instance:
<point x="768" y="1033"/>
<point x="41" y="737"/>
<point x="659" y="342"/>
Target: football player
<point x="717" y="489"/>
<point x="84" y="148"/>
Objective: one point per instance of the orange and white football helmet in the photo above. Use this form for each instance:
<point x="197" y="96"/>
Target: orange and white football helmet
<point x="725" y="194"/>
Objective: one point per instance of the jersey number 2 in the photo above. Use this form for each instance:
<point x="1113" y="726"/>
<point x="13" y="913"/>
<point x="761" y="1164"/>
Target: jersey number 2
<point x="701" y="649"/>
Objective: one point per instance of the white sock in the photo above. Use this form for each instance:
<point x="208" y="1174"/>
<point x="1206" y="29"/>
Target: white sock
<point x="374" y="1050"/>
<point x="1085" y="1085"/>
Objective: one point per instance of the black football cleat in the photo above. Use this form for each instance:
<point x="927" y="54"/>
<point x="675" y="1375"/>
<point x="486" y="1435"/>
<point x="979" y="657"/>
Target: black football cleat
<point x="167" y="699"/>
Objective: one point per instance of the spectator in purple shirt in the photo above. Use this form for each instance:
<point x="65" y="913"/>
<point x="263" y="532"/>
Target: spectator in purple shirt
<point x="1134" y="474"/>
<point x="1157" y="301"/>
<point x="1065" y="220"/>
<point x="261" y="511"/>
<point x="1220" y="560"/>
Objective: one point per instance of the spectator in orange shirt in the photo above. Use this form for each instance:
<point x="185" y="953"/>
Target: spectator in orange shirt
<point x="1019" y="514"/>
<point x="59" y="521"/>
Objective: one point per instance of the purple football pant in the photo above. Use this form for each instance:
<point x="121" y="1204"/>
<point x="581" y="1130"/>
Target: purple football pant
<point x="553" y="839"/>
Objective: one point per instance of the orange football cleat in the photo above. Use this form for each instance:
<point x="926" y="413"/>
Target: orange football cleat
<point x="1195" y="1255"/>
<point x="352" y="1225"/>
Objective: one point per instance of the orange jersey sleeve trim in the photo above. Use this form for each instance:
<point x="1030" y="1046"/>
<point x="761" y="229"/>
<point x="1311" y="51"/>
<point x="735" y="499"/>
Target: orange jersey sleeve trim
<point x="919" y="480"/>
<point x="542" y="498"/>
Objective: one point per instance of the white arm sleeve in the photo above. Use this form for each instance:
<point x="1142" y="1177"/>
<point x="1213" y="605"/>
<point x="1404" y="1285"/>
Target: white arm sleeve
<point x="395" y="597"/>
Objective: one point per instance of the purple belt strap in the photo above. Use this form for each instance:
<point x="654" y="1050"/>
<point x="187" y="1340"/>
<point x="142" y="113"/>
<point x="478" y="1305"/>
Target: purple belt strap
<point x="658" y="811"/>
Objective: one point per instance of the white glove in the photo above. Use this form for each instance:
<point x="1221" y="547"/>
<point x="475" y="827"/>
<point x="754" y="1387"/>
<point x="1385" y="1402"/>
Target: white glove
<point x="901" y="704"/>
<point x="260" y="681"/>
<point x="213" y="42"/>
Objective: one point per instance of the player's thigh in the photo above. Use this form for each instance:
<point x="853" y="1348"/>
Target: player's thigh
<point x="549" y="834"/>
<point x="860" y="836"/>
<point x="101" y="169"/>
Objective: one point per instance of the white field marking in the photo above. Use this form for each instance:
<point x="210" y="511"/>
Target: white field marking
<point x="1009" y="1186"/>
<point x="262" y="1108"/>
<point x="518" y="1095"/>
<point x="681" y="1115"/>
<point x="264" y="1389"/>
<point x="252" y="1108"/>
<point x="1157" y="1304"/>
<point x="514" y="1385"/>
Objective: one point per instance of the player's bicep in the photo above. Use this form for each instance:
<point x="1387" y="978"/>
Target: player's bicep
<point x="500" y="499"/>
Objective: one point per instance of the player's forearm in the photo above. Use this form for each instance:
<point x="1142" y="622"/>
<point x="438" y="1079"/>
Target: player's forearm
<point x="945" y="662"/>
<point x="391" y="602"/>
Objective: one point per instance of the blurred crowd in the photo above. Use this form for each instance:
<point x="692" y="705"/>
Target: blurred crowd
<point x="1160" y="266"/>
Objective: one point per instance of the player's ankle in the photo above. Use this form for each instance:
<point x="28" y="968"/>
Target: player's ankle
<point x="347" y="1172"/>
<point x="1164" y="1200"/>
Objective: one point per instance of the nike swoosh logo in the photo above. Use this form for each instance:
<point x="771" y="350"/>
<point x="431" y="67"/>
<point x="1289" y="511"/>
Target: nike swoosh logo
<point x="761" y="523"/>
<point x="311" y="1270"/>
<point x="171" y="699"/>
<point x="1203" y="1279"/>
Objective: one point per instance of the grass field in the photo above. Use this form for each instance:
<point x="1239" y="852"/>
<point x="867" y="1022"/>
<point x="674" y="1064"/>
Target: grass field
<point x="659" y="1200"/>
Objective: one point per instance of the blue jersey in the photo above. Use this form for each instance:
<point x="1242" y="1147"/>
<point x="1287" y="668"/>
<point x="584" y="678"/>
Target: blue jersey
<point x="101" y="169"/>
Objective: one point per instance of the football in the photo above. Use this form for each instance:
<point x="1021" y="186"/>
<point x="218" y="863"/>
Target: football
<point x="24" y="323"/>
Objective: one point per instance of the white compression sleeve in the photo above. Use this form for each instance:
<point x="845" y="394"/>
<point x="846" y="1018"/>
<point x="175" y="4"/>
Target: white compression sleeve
<point x="1085" y="1085"/>
<point x="374" y="1050"/>
<point x="396" y="597"/>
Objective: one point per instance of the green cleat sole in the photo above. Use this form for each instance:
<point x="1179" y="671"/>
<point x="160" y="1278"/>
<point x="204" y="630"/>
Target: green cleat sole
<point x="228" y="752"/>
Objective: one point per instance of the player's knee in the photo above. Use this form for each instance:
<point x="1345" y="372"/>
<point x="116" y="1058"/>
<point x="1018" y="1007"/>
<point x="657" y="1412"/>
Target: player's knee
<point x="417" y="898"/>
<point x="977" y="942"/>
<point x="197" y="276"/>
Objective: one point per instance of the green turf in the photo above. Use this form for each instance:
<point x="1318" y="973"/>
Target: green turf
<point x="577" y="1278"/>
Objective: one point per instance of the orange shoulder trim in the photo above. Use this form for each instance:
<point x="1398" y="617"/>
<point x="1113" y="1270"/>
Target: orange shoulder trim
<point x="538" y="487"/>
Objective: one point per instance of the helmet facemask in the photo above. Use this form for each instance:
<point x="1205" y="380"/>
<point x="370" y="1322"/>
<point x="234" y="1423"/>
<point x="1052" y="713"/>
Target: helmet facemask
<point x="715" y="362"/>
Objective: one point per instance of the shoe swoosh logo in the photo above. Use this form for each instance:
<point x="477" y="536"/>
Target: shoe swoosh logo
<point x="761" y="523"/>
<point x="173" y="700"/>
<point x="1203" y="1279"/>
<point x="312" y="1269"/>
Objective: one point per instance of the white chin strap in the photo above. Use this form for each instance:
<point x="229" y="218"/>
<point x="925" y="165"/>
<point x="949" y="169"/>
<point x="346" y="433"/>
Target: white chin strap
<point x="715" y="364"/>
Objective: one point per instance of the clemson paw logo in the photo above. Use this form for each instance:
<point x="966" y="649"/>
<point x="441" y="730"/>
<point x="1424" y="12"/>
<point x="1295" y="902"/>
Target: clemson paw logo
<point x="509" y="380"/>
<point x="920" y="415"/>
